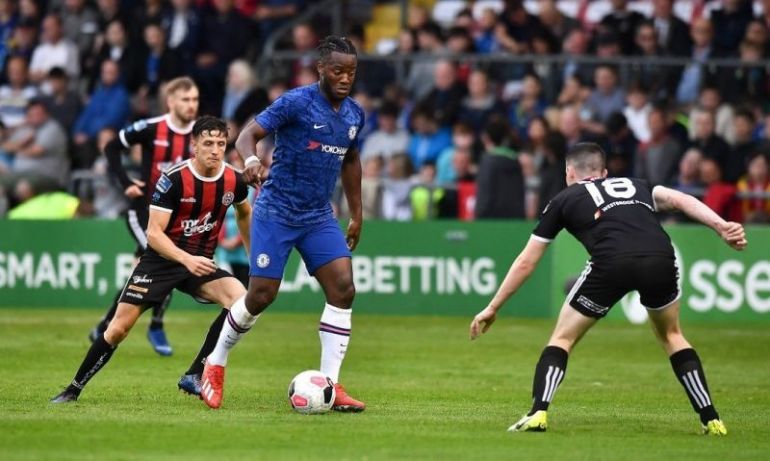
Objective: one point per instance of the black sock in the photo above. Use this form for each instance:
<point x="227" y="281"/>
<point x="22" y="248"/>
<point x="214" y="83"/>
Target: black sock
<point x="105" y="321"/>
<point x="549" y="373"/>
<point x="196" y="367"/>
<point x="689" y="372"/>
<point x="96" y="358"/>
<point x="158" y="312"/>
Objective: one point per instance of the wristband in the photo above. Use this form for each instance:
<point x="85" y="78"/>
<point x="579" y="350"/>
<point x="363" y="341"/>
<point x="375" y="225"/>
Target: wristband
<point x="251" y="160"/>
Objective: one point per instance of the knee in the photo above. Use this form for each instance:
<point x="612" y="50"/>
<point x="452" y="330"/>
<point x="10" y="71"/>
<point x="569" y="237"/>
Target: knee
<point x="343" y="294"/>
<point x="116" y="332"/>
<point x="258" y="300"/>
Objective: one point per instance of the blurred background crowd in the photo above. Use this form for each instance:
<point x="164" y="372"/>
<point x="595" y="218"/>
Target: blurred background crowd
<point x="470" y="105"/>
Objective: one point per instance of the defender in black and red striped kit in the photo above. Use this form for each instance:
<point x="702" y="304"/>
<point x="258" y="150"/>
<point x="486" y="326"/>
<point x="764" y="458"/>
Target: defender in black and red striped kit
<point x="186" y="213"/>
<point x="164" y="141"/>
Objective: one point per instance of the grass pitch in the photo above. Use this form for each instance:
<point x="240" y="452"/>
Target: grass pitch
<point x="431" y="393"/>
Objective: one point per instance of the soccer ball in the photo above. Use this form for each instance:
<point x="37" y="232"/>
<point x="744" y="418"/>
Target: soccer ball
<point x="311" y="392"/>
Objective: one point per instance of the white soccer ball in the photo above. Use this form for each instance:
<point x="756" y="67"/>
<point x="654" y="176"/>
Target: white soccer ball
<point x="311" y="392"/>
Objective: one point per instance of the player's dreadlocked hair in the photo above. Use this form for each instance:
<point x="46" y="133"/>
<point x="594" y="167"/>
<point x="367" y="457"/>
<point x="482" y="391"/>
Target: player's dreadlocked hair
<point x="209" y="123"/>
<point x="334" y="43"/>
<point x="587" y="157"/>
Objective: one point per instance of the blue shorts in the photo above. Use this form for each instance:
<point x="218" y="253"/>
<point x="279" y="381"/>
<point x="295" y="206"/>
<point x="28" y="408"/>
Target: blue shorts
<point x="271" y="243"/>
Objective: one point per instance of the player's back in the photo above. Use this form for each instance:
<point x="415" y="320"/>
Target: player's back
<point x="311" y="142"/>
<point x="610" y="216"/>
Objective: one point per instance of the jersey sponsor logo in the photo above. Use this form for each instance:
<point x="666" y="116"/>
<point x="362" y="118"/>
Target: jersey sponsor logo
<point x="317" y="126"/>
<point x="134" y="295"/>
<point x="228" y="198"/>
<point x="191" y="227"/>
<point x="327" y="148"/>
<point x="188" y="200"/>
<point x="263" y="260"/>
<point x="138" y="288"/>
<point x="141" y="279"/>
<point x="164" y="184"/>
<point x="352" y="132"/>
<point x="592" y="306"/>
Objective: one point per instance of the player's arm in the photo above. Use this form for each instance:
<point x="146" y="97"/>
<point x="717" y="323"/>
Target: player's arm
<point x="669" y="199"/>
<point x="351" y="185"/>
<point x="246" y="145"/>
<point x="159" y="241"/>
<point x="519" y="272"/>
<point x="243" y="220"/>
<point x="114" y="151"/>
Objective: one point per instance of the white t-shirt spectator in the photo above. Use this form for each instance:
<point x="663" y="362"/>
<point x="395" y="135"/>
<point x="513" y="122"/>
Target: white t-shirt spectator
<point x="385" y="144"/>
<point x="62" y="54"/>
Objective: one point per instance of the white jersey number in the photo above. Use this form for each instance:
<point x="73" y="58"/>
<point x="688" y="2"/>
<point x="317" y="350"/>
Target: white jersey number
<point x="614" y="187"/>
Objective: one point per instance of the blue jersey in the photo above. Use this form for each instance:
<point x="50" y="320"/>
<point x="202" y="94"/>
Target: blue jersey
<point x="311" y="140"/>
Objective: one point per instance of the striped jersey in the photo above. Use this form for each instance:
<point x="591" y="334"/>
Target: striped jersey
<point x="163" y="145"/>
<point x="197" y="204"/>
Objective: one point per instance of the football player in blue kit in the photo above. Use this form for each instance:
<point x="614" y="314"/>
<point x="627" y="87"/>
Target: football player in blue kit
<point x="316" y="141"/>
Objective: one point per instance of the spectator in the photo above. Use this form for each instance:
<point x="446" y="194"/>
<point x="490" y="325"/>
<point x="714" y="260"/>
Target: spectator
<point x="698" y="72"/>
<point x="421" y="74"/>
<point x="688" y="177"/>
<point x="500" y="182"/>
<point x="731" y="21"/>
<point x="109" y="107"/>
<point x="54" y="51"/>
<point x="481" y="103"/>
<point x="63" y="103"/>
<point x="575" y="45"/>
<point x="371" y="187"/>
<point x="559" y="24"/>
<point x="637" y="112"/>
<point x="455" y="162"/>
<point x="527" y="106"/>
<point x="305" y="41"/>
<point x="708" y="141"/>
<point x="428" y="139"/>
<point x="607" y="97"/>
<point x="516" y="27"/>
<point x="747" y="82"/>
<point x="396" y="205"/>
<point x="16" y="94"/>
<point x="552" y="170"/>
<point x="756" y="34"/>
<point x="485" y="39"/>
<point x="743" y="146"/>
<point x="160" y="64"/>
<point x="445" y="97"/>
<point x="272" y="14"/>
<point x="9" y="18"/>
<point x="754" y="188"/>
<point x="623" y="22"/>
<point x="29" y="12"/>
<point x="80" y="25"/>
<point x="621" y="143"/>
<point x="656" y="160"/>
<point x="129" y="56"/>
<point x="371" y="76"/>
<point x="660" y="80"/>
<point x="39" y="148"/>
<point x="673" y="34"/>
<point x="152" y="12"/>
<point x="23" y="41"/>
<point x="182" y="24"/>
<point x="224" y="36"/>
<point x="710" y="99"/>
<point x="459" y="42"/>
<point x="718" y="195"/>
<point x="388" y="139"/>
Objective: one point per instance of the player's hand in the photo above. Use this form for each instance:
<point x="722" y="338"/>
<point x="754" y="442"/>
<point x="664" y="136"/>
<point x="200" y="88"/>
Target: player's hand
<point x="734" y="235"/>
<point x="353" y="234"/>
<point x="482" y="322"/>
<point x="255" y="174"/>
<point x="135" y="189"/>
<point x="200" y="266"/>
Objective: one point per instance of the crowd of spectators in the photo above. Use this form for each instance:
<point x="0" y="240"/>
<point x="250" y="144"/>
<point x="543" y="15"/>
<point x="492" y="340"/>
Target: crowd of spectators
<point x="455" y="138"/>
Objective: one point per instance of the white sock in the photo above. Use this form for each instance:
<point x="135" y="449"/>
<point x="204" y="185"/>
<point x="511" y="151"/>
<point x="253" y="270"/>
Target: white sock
<point x="238" y="322"/>
<point x="334" y="331"/>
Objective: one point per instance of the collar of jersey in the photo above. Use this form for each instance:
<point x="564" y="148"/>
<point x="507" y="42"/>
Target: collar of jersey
<point x="176" y="129"/>
<point x="205" y="178"/>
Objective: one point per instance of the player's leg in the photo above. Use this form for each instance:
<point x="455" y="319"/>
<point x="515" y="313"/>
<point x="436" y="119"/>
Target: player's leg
<point x="687" y="366"/>
<point x="190" y="380"/>
<point x="101" y="351"/>
<point x="325" y="252"/>
<point x="156" y="335"/>
<point x="101" y="326"/>
<point x="659" y="292"/>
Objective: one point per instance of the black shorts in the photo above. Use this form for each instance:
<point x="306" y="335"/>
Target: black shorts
<point x="603" y="283"/>
<point x="137" y="217"/>
<point x="155" y="277"/>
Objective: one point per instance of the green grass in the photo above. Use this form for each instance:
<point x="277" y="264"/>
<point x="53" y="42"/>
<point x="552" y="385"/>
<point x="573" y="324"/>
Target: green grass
<point x="431" y="393"/>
